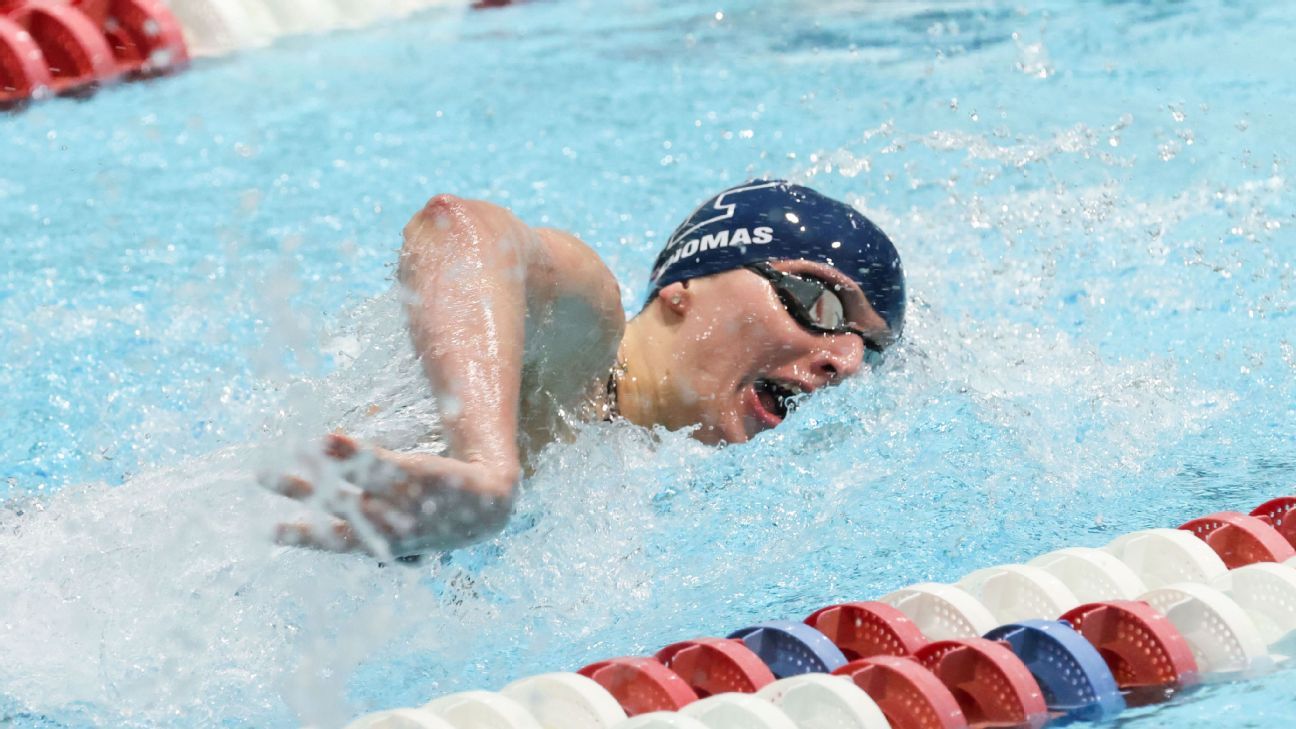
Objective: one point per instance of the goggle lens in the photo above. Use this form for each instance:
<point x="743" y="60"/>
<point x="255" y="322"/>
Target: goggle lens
<point x="813" y="303"/>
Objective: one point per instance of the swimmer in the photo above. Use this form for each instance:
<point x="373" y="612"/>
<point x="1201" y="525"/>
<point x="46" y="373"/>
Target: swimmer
<point x="767" y="292"/>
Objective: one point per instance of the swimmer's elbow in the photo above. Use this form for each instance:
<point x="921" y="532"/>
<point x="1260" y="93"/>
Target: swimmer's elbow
<point x="431" y="225"/>
<point x="444" y="202"/>
<point x="436" y="214"/>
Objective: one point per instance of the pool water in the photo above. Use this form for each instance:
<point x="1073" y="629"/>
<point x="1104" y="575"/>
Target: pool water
<point x="1094" y="207"/>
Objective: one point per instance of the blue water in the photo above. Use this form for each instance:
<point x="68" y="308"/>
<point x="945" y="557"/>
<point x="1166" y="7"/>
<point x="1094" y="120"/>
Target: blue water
<point x="1094" y="206"/>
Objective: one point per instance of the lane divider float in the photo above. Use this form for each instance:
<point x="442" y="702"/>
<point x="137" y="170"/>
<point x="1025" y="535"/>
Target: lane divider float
<point x="910" y="696"/>
<point x="1076" y="634"/>
<point x="1141" y="646"/>
<point x="51" y="47"/>
<point x="862" y="629"/>
<point x="820" y="701"/>
<point x="1092" y="575"/>
<point x="791" y="649"/>
<point x="1070" y="672"/>
<point x="566" y="699"/>
<point x="990" y="682"/>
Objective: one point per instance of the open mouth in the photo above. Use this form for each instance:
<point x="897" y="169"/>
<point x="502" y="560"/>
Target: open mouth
<point x="777" y="398"/>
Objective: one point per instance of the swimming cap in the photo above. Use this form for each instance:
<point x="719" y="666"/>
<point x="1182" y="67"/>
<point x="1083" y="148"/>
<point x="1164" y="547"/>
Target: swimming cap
<point x="765" y="220"/>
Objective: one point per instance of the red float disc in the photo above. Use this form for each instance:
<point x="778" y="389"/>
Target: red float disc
<point x="992" y="685"/>
<point x="909" y="695"/>
<point x="641" y="685"/>
<point x="1139" y="644"/>
<point x="716" y="665"/>
<point x="23" y="69"/>
<point x="865" y="629"/>
<point x="144" y="36"/>
<point x="76" y="52"/>
<point x="1239" y="539"/>
<point x="1278" y="513"/>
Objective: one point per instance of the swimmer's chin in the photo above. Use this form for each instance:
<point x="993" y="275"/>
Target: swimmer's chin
<point x="737" y="431"/>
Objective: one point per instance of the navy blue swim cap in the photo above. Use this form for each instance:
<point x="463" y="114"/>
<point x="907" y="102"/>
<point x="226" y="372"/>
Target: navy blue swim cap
<point x="765" y="220"/>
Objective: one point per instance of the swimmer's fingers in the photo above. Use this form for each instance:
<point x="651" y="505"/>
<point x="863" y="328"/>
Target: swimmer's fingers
<point x="361" y="522"/>
<point x="351" y="463"/>
<point x="375" y="470"/>
<point x="349" y="504"/>
<point x="284" y="485"/>
<point x="404" y="478"/>
<point x="366" y="510"/>
<point x="336" y="537"/>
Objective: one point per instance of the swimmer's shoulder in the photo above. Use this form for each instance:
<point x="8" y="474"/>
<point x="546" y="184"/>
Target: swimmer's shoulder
<point x="574" y="270"/>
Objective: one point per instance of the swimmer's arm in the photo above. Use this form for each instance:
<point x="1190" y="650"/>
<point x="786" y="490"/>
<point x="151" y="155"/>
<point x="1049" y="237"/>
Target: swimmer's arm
<point x="464" y="266"/>
<point x="476" y="272"/>
<point x="475" y="275"/>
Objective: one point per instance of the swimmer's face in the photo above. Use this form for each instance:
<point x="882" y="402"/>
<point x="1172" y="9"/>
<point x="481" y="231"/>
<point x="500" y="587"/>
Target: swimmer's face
<point x="739" y="354"/>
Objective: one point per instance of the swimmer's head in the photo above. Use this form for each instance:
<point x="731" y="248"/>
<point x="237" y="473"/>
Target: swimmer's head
<point x="769" y="220"/>
<point x="769" y="291"/>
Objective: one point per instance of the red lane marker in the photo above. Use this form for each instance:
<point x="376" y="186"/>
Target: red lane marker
<point x="992" y="685"/>
<point x="909" y="695"/>
<point x="1279" y="513"/>
<point x="1139" y="644"/>
<point x="23" y="69"/>
<point x="144" y="36"/>
<point x="1239" y="539"/>
<point x="75" y="50"/>
<point x="716" y="665"/>
<point x="865" y="629"/>
<point x="640" y="684"/>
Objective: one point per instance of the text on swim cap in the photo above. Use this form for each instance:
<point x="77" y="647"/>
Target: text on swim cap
<point x="720" y="239"/>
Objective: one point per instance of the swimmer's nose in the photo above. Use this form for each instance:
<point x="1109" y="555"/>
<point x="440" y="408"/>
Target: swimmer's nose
<point x="839" y="356"/>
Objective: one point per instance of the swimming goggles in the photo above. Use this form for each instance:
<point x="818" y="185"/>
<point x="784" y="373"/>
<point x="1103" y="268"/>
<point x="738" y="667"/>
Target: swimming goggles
<point x="813" y="303"/>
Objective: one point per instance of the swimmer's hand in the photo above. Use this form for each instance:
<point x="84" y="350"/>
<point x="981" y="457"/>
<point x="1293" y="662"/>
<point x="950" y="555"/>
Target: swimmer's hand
<point x="395" y="504"/>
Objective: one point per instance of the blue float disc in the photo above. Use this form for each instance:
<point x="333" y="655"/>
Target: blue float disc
<point x="791" y="649"/>
<point x="1072" y="675"/>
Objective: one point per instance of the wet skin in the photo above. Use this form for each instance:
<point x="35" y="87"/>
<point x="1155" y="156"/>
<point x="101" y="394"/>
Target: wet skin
<point x="500" y="309"/>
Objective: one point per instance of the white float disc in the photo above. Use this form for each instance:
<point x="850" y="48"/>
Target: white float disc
<point x="661" y="720"/>
<point x="942" y="612"/>
<point x="1164" y="556"/>
<point x="1092" y="575"/>
<point x="482" y="710"/>
<point x="566" y="701"/>
<point x="401" y="719"/>
<point x="1223" y="639"/>
<point x="821" y="701"/>
<point x="1267" y="592"/>
<point x="307" y="16"/>
<point x="1016" y="592"/>
<point x="738" y="711"/>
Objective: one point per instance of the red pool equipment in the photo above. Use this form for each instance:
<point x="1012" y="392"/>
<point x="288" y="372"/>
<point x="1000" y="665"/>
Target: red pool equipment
<point x="1142" y="647"/>
<point x="865" y="629"/>
<point x="1239" y="539"/>
<point x="23" y="71"/>
<point x="716" y="665"/>
<point x="909" y="695"/>
<point x="1279" y="513"/>
<point x="641" y="685"/>
<point x="76" y="52"/>
<point x="991" y="684"/>
<point x="144" y="36"/>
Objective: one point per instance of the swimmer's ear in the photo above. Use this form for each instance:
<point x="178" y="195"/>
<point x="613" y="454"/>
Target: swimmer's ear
<point x="676" y="297"/>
